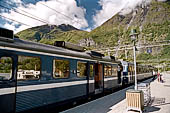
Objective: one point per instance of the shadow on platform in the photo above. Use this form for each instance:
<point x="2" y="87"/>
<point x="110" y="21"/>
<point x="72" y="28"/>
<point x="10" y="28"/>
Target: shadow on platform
<point x="155" y="105"/>
<point x="157" y="101"/>
<point x="151" y="109"/>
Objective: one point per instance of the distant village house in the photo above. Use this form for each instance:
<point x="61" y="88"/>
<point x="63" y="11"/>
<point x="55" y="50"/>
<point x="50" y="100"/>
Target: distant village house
<point x="88" y="42"/>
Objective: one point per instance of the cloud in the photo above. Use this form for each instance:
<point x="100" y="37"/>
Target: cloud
<point x="88" y="29"/>
<point x="74" y="15"/>
<point x="16" y="1"/>
<point x="9" y="26"/>
<point x="131" y="4"/>
<point x="112" y="7"/>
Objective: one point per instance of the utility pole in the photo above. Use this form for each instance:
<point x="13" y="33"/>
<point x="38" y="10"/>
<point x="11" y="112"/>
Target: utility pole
<point x="134" y="36"/>
<point x="126" y="53"/>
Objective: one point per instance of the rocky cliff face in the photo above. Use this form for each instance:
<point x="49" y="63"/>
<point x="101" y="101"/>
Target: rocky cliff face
<point x="147" y="19"/>
<point x="152" y="22"/>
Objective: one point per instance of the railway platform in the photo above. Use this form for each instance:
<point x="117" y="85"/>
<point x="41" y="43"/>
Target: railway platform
<point x="116" y="102"/>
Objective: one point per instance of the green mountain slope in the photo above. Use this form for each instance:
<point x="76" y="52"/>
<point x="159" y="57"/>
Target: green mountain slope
<point x="48" y="34"/>
<point x="152" y="23"/>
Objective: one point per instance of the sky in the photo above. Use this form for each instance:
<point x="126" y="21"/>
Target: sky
<point x="86" y="15"/>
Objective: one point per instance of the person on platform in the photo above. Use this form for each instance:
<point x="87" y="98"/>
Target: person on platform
<point x="119" y="70"/>
<point x="158" y="76"/>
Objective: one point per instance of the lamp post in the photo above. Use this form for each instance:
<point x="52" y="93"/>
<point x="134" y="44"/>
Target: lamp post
<point x="134" y="36"/>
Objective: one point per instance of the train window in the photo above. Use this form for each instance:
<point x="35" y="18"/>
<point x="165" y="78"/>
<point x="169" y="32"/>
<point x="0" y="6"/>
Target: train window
<point x="129" y="69"/>
<point x="5" y="68"/>
<point x="81" y="69"/>
<point x="114" y="70"/>
<point x="91" y="70"/>
<point x="28" y="68"/>
<point x="61" y="68"/>
<point x="107" y="70"/>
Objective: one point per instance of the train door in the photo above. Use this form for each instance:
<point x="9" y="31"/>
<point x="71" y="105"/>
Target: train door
<point x="119" y="74"/>
<point x="7" y="82"/>
<point x="125" y="74"/>
<point x="98" y="78"/>
<point x="91" y="81"/>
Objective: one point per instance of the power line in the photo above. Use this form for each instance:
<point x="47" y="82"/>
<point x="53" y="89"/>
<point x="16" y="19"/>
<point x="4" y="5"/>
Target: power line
<point x="26" y="12"/>
<point x="38" y="17"/>
<point x="26" y="16"/>
<point x="58" y="13"/>
<point x="129" y="47"/>
<point x="15" y="20"/>
<point x="34" y="15"/>
<point x="55" y="10"/>
<point x="23" y="23"/>
<point x="22" y="14"/>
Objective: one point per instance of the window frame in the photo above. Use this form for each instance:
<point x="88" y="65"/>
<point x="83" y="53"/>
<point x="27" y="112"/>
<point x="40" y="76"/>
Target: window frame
<point x="112" y="66"/>
<point x="77" y="69"/>
<point x="12" y="74"/>
<point x="54" y="70"/>
<point x="90" y="70"/>
<point x="31" y="78"/>
<point x="106" y="71"/>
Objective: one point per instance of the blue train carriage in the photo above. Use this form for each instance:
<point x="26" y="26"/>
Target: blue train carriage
<point x="144" y="71"/>
<point x="128" y="72"/>
<point x="112" y="74"/>
<point x="154" y="71"/>
<point x="150" y="70"/>
<point x="34" y="75"/>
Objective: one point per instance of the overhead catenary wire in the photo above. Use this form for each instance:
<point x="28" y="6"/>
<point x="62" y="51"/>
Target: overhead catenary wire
<point x="56" y="11"/>
<point x="15" y="20"/>
<point x="21" y="22"/>
<point x="25" y="12"/>
<point x="129" y="47"/>
<point x="34" y="16"/>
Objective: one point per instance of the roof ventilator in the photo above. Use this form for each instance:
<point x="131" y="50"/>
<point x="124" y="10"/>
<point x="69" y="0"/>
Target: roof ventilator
<point x="95" y="54"/>
<point x="69" y="46"/>
<point x="6" y="35"/>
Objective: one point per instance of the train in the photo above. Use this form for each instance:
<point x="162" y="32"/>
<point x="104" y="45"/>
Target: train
<point x="34" y="75"/>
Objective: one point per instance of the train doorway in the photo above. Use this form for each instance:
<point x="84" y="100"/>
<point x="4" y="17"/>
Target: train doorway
<point x="98" y="78"/>
<point x="7" y="82"/>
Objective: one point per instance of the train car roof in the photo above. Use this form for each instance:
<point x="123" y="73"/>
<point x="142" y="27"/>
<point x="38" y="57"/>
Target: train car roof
<point x="19" y="44"/>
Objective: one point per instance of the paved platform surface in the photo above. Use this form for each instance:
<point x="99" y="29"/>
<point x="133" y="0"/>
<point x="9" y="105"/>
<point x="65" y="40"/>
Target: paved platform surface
<point x="160" y="102"/>
<point x="160" y="93"/>
<point x="116" y="102"/>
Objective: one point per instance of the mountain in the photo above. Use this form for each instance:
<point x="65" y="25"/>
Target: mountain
<point x="151" y="21"/>
<point x="50" y="33"/>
